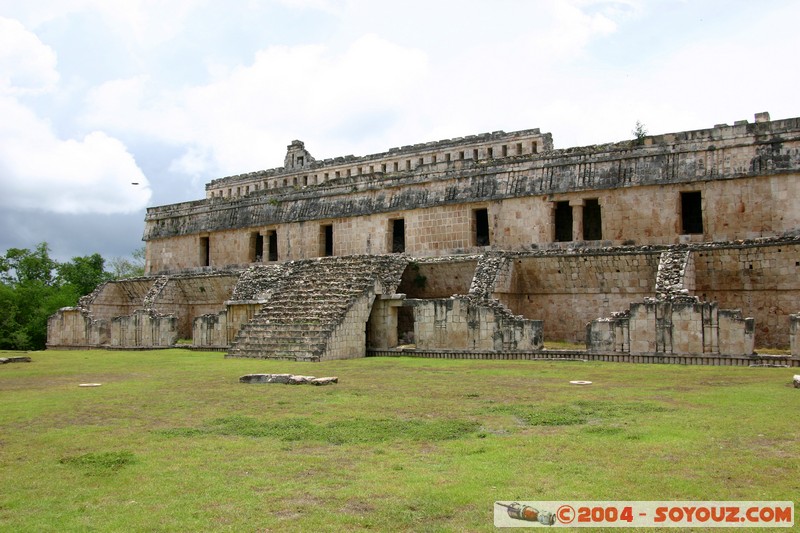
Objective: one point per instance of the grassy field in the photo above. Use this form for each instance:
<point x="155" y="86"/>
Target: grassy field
<point x="172" y="442"/>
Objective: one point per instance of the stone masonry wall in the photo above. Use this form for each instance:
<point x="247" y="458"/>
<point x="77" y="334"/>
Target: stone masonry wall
<point x="75" y="327"/>
<point x="746" y="175"/>
<point x="567" y="291"/>
<point x="682" y="325"/>
<point x="731" y="209"/>
<point x="210" y="330"/>
<point x="144" y="329"/>
<point x="348" y="340"/>
<point x="794" y="334"/>
<point x="763" y="281"/>
<point x="187" y="297"/>
<point x="462" y="323"/>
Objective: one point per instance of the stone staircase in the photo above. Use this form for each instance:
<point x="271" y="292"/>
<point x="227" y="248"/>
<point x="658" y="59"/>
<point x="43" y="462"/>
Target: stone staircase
<point x="671" y="276"/>
<point x="308" y="300"/>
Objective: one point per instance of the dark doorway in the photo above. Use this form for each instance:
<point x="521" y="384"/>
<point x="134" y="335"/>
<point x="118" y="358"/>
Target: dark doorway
<point x="205" y="253"/>
<point x="326" y="236"/>
<point x="592" y="221"/>
<point x="481" y="227"/>
<point x="256" y="247"/>
<point x="273" y="246"/>
<point x="691" y="213"/>
<point x="563" y="221"/>
<point x="405" y="325"/>
<point x="398" y="244"/>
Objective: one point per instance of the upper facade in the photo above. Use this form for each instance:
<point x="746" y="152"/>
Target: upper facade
<point x="507" y="191"/>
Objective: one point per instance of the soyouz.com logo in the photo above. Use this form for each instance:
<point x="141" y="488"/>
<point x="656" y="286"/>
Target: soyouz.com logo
<point x="644" y="514"/>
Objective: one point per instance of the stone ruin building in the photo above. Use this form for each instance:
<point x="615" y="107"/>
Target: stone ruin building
<point x="682" y="247"/>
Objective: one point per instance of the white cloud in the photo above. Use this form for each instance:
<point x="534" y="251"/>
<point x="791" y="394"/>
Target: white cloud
<point x="26" y="64"/>
<point x="40" y="171"/>
<point x="246" y="117"/>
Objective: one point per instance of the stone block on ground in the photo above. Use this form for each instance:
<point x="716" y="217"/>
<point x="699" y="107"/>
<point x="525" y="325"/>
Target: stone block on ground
<point x="299" y="380"/>
<point x="265" y="378"/>
<point x="15" y="359"/>
<point x="325" y="381"/>
<point x="796" y="381"/>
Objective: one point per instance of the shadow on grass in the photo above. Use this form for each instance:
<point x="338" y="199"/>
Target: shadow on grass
<point x="356" y="430"/>
<point x="575" y="413"/>
<point x="100" y="463"/>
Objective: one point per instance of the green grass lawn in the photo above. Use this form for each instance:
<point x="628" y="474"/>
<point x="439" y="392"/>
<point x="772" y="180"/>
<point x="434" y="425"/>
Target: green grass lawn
<point x="172" y="442"/>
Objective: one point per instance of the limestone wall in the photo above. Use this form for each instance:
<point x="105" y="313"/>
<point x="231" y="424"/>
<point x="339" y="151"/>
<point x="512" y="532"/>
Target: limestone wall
<point x="144" y="329"/>
<point x="461" y="323"/>
<point x="383" y="322"/>
<point x="762" y="281"/>
<point x="348" y="340"/>
<point x="187" y="297"/>
<point x="210" y="330"/>
<point x="566" y="292"/>
<point x="438" y="278"/>
<point x="745" y="178"/>
<point x="794" y="334"/>
<point x="115" y="298"/>
<point x="74" y="327"/>
<point x="679" y="326"/>
<point x="301" y="169"/>
<point x="732" y="209"/>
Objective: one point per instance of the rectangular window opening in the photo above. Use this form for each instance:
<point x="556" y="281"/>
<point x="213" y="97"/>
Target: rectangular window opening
<point x="481" y="220"/>
<point x="563" y="222"/>
<point x="592" y="221"/>
<point x="691" y="213"/>
<point x="273" y="246"/>
<point x="205" y="252"/>
<point x="256" y="247"/>
<point x="398" y="244"/>
<point x="326" y="240"/>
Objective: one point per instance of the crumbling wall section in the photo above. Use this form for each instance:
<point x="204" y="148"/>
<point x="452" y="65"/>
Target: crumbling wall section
<point x="794" y="334"/>
<point x="144" y="329"/>
<point x="762" y="278"/>
<point x="464" y="323"/>
<point x="74" y="327"/>
<point x="348" y="339"/>
<point x="567" y="289"/>
<point x="210" y="331"/>
<point x="682" y="325"/>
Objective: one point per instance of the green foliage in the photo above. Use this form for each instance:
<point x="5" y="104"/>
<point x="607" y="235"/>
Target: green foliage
<point x="349" y="431"/>
<point x="100" y="463"/>
<point x="123" y="267"/>
<point x="33" y="286"/>
<point x="20" y="265"/>
<point x="84" y="273"/>
<point x="254" y="458"/>
<point x="639" y="132"/>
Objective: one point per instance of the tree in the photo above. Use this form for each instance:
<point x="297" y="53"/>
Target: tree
<point x="84" y="273"/>
<point x="122" y="267"/>
<point x="639" y="132"/>
<point x="20" y="265"/>
<point x="33" y="287"/>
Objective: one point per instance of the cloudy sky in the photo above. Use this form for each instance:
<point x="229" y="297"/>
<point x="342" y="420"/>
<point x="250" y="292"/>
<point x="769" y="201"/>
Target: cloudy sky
<point x="96" y="95"/>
